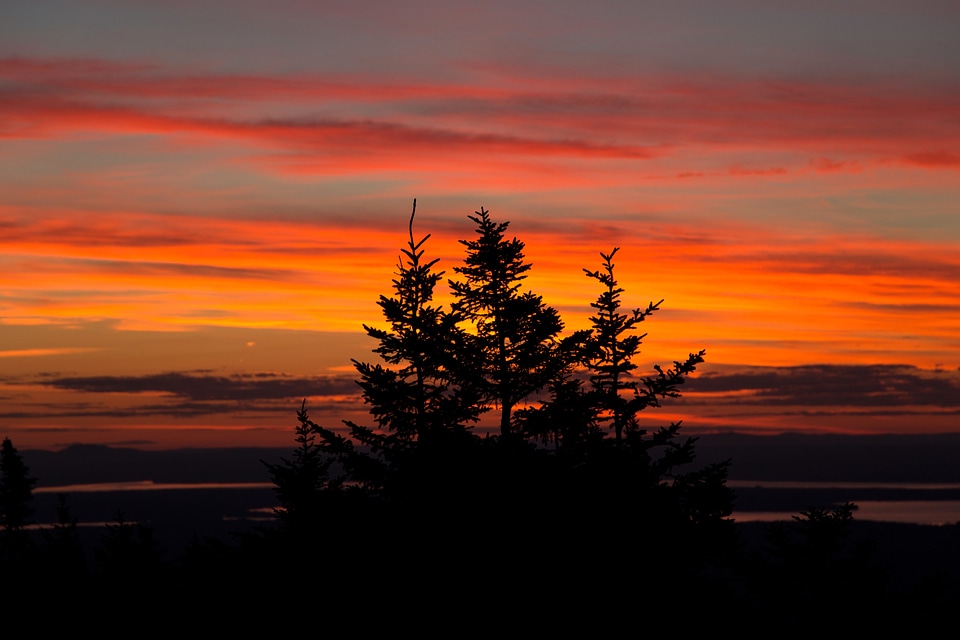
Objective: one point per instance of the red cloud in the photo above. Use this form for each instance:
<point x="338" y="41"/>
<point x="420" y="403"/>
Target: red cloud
<point x="933" y="159"/>
<point x="626" y="118"/>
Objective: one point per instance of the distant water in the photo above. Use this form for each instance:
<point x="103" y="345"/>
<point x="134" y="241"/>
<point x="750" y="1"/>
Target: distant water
<point x="150" y="485"/>
<point x="179" y="512"/>
<point x="806" y="484"/>
<point x="929" y="512"/>
<point x="919" y="509"/>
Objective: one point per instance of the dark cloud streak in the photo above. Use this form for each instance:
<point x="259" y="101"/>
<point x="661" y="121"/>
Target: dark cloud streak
<point x="208" y="388"/>
<point x="833" y="385"/>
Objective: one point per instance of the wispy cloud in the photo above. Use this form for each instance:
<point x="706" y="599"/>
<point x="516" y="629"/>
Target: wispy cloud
<point x="819" y="386"/>
<point x="198" y="387"/>
<point x="37" y="353"/>
<point x="629" y="117"/>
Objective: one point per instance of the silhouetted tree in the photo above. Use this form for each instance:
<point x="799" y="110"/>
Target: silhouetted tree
<point x="567" y="419"/>
<point x="419" y="397"/>
<point x="16" y="498"/>
<point x="127" y="551"/>
<point x="515" y="332"/>
<point x="812" y="564"/>
<point x="611" y="361"/>
<point x="612" y="357"/>
<point x="302" y="482"/>
<point x="431" y="482"/>
<point x="416" y="396"/>
<point x="16" y="489"/>
<point x="62" y="546"/>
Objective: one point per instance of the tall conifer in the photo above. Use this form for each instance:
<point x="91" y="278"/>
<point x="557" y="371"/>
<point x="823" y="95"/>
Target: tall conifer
<point x="416" y="395"/>
<point x="515" y="332"/>
<point x="615" y="346"/>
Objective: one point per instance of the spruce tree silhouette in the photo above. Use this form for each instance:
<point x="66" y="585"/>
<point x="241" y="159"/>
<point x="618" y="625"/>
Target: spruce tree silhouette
<point x="423" y="410"/>
<point x="16" y="489"/>
<point x="611" y="361"/>
<point x="16" y="509"/>
<point x="812" y="563"/>
<point x="515" y="332"/>
<point x="128" y="554"/>
<point x="62" y="546"/>
<point x="302" y="484"/>
<point x="421" y="398"/>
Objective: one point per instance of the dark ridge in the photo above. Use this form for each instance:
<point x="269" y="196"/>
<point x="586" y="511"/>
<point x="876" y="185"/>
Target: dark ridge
<point x="86" y="464"/>
<point x="838" y="458"/>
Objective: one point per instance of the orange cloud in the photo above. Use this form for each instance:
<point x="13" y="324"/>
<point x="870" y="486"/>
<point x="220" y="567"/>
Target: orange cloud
<point x="755" y="289"/>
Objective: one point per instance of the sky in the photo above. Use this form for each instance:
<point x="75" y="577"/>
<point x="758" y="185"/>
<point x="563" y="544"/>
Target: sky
<point x="201" y="202"/>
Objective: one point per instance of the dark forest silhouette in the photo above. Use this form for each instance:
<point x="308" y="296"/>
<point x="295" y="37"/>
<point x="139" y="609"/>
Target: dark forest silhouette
<point x="568" y="502"/>
<point x="573" y="452"/>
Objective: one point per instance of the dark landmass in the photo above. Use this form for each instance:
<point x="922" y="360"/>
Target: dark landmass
<point x="882" y="458"/>
<point x="839" y="458"/>
<point x="93" y="464"/>
<point x="916" y="559"/>
<point x="180" y="513"/>
<point x="922" y="563"/>
<point x="910" y="554"/>
<point x="793" y="457"/>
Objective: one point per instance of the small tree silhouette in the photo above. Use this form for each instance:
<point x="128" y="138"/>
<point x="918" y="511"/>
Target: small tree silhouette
<point x="128" y="551"/>
<point x="16" y="489"/>
<point x="301" y="483"/>
<point x="62" y="546"/>
<point x="16" y="509"/>
<point x="812" y="563"/>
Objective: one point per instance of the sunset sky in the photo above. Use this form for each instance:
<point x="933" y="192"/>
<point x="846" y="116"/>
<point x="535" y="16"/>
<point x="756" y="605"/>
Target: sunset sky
<point x="200" y="202"/>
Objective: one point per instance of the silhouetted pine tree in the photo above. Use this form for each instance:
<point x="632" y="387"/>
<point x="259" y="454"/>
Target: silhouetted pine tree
<point x="615" y="346"/>
<point x="419" y="398"/>
<point x="515" y="332"/>
<point x="16" y="489"/>
<point x="302" y="483"/>
<point x="568" y="418"/>
<point x="631" y="481"/>
<point x="612" y="358"/>
<point x="428" y="482"/>
<point x="416" y="397"/>
<point x="16" y="498"/>
<point x="128" y="551"/>
<point x="62" y="546"/>
<point x="813" y="563"/>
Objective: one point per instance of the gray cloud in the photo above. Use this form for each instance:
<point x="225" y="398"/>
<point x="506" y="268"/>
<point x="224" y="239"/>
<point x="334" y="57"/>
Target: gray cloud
<point x="833" y="385"/>
<point x="205" y="388"/>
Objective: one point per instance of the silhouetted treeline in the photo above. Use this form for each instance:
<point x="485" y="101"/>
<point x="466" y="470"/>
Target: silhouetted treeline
<point x="567" y="473"/>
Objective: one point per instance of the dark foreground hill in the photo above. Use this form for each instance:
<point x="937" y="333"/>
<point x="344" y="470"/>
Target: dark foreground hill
<point x="918" y="567"/>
